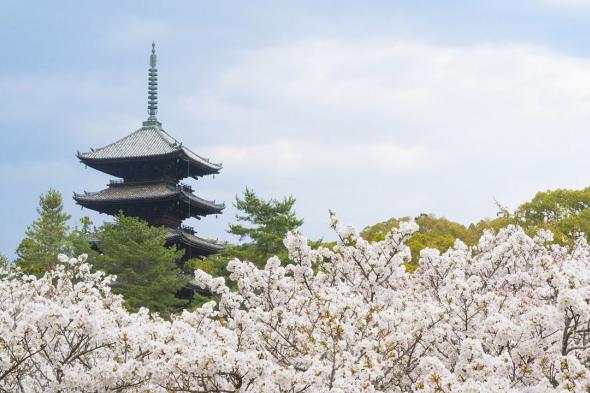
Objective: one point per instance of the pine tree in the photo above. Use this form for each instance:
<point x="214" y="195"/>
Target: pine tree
<point x="80" y="239"/>
<point x="267" y="225"/>
<point x="46" y="237"/>
<point x="4" y="262"/>
<point x="146" y="270"/>
<point x="264" y="225"/>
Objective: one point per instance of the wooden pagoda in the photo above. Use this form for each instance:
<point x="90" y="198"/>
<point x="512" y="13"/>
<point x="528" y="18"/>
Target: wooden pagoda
<point x="150" y="165"/>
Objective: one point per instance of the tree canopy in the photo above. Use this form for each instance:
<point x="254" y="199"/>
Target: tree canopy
<point x="147" y="271"/>
<point x="50" y="235"/>
<point x="262" y="226"/>
<point x="46" y="237"/>
<point x="266" y="225"/>
<point x="566" y="213"/>
<point x="4" y="262"/>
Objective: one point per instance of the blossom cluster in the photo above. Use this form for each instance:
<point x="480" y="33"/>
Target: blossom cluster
<point x="510" y="314"/>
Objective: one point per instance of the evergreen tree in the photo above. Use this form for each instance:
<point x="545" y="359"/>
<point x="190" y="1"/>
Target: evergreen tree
<point x="146" y="270"/>
<point x="80" y="239"/>
<point x="46" y="237"/>
<point x="267" y="224"/>
<point x="4" y="262"/>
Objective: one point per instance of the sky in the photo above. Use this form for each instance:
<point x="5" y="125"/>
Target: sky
<point x="375" y="109"/>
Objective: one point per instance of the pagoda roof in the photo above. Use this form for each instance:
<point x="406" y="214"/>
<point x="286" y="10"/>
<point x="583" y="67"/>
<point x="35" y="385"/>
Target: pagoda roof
<point x="191" y="240"/>
<point x="150" y="141"/>
<point x="122" y="192"/>
<point x="203" y="246"/>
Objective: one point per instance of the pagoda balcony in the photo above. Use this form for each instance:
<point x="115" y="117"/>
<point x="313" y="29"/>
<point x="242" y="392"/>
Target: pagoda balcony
<point x="157" y="202"/>
<point x="188" y="229"/>
<point x="167" y="180"/>
<point x="185" y="187"/>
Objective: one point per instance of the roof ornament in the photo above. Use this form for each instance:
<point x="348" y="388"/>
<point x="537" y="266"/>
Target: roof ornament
<point x="152" y="88"/>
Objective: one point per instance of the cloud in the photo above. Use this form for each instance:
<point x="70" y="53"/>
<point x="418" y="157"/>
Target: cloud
<point x="394" y="92"/>
<point x="296" y="156"/>
<point x="373" y="128"/>
<point x="455" y="125"/>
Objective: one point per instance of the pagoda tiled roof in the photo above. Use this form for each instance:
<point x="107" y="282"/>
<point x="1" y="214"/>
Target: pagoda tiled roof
<point x="175" y="236"/>
<point x="150" y="141"/>
<point x="147" y="191"/>
<point x="189" y="239"/>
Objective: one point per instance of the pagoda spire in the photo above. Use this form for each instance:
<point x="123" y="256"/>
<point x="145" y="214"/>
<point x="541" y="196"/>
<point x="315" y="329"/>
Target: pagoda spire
<point x="153" y="87"/>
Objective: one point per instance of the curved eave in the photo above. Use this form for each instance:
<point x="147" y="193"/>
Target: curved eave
<point x="210" y="206"/>
<point x="197" y="160"/>
<point x="201" y="207"/>
<point x="195" y="242"/>
<point x="86" y="159"/>
<point x="201" y="165"/>
<point x="88" y="198"/>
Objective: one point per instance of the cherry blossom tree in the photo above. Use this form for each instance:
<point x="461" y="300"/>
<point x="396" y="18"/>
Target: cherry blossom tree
<point x="510" y="314"/>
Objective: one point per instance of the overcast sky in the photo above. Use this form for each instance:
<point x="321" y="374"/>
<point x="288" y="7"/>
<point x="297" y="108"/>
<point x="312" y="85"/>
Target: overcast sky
<point x="374" y="109"/>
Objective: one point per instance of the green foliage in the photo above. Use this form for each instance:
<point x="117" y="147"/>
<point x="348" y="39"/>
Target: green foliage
<point x="4" y="262"/>
<point x="268" y="224"/>
<point x="552" y="206"/>
<point x="146" y="270"/>
<point x="79" y="238"/>
<point x="439" y="233"/>
<point x="46" y="237"/>
<point x="213" y="264"/>
<point x="435" y="232"/>
<point x="566" y="213"/>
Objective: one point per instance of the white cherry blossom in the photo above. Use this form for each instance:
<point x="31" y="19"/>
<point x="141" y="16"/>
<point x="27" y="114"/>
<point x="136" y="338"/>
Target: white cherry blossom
<point x="510" y="314"/>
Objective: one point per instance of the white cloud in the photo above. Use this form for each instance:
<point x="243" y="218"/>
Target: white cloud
<point x="373" y="129"/>
<point x="296" y="156"/>
<point x="477" y="122"/>
<point x="395" y="92"/>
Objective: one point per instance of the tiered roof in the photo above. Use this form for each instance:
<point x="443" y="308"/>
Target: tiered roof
<point x="202" y="246"/>
<point x="121" y="193"/>
<point x="175" y="236"/>
<point x="151" y="163"/>
<point x="150" y="142"/>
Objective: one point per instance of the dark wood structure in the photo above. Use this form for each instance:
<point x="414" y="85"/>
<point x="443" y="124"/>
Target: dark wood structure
<point x="150" y="164"/>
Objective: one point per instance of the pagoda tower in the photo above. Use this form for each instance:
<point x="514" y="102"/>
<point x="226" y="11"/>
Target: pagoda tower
<point x="150" y="165"/>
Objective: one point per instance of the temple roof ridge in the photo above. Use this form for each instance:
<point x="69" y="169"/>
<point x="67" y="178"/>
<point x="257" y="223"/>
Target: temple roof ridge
<point x="193" y="240"/>
<point x="143" y="191"/>
<point x="174" y="234"/>
<point x="147" y="141"/>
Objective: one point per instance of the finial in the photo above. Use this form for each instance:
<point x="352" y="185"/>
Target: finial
<point x="153" y="56"/>
<point x="153" y="86"/>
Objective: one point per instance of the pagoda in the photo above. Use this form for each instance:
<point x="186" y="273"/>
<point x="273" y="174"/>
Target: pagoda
<point x="150" y="165"/>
